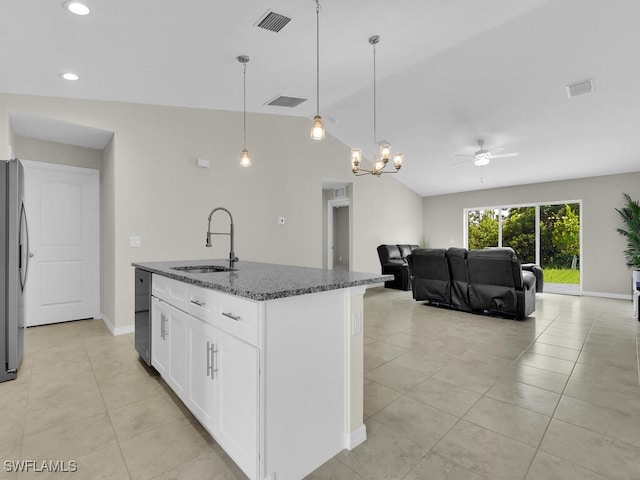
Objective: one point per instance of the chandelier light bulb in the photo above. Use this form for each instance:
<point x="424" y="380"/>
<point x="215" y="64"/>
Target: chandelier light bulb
<point x="397" y="160"/>
<point x="385" y="152"/>
<point x="356" y="158"/>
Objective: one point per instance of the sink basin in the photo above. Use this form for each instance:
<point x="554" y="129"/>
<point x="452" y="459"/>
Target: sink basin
<point x="204" y="269"/>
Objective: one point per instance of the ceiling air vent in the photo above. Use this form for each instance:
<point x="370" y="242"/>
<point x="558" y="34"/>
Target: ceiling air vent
<point x="579" y="88"/>
<point x="282" y="101"/>
<point x="272" y="21"/>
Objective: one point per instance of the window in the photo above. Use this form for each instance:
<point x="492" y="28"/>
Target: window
<point x="545" y="233"/>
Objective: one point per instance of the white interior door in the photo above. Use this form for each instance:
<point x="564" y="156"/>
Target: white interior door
<point x="64" y="228"/>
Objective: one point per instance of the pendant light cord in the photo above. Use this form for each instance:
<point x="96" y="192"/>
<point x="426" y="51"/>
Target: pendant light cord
<point x="317" y="57"/>
<point x="244" y="102"/>
<point x="374" y="98"/>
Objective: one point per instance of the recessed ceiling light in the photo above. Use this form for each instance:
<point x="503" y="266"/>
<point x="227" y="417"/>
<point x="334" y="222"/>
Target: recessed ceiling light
<point x="77" y="8"/>
<point x="69" y="76"/>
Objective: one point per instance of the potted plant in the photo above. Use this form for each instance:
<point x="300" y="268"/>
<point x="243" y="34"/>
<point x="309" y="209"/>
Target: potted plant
<point x="630" y="215"/>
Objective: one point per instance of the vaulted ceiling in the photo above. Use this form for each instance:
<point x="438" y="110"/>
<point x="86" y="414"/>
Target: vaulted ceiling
<point x="449" y="73"/>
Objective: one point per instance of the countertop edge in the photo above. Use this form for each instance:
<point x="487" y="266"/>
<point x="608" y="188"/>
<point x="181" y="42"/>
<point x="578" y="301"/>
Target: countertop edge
<point x="263" y="296"/>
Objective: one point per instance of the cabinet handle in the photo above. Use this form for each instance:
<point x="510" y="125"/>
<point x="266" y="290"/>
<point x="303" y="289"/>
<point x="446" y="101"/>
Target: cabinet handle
<point x="209" y="360"/>
<point x="230" y="315"/>
<point x="163" y="330"/>
<point x="196" y="302"/>
<point x="214" y="361"/>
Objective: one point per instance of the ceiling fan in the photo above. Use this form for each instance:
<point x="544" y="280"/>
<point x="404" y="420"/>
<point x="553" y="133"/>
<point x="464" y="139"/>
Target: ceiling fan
<point x="483" y="157"/>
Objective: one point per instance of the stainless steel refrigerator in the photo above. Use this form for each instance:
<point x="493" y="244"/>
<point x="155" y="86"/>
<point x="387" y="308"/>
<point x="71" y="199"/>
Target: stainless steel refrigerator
<point x="14" y="265"/>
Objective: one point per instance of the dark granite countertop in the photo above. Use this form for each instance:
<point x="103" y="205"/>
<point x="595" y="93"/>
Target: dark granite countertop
<point x="264" y="281"/>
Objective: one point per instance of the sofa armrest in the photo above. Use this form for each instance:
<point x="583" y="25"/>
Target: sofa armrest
<point x="528" y="280"/>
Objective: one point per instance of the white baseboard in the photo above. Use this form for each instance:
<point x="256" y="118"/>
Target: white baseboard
<point x="115" y="331"/>
<point x="617" y="296"/>
<point x="355" y="438"/>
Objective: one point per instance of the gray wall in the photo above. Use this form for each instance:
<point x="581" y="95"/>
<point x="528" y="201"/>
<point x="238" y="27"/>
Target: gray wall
<point x="603" y="267"/>
<point x="152" y="188"/>
<point x="52" y="152"/>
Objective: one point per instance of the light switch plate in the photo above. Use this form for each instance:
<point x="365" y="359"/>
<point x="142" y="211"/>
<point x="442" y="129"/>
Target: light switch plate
<point x="134" y="241"/>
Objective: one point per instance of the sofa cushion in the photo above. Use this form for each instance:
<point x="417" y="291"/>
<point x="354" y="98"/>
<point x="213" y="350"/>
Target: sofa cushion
<point x="457" y="259"/>
<point x="430" y="274"/>
<point x="385" y="252"/>
<point x="405" y="250"/>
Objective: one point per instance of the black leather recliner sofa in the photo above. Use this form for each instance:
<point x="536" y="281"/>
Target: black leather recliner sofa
<point x="483" y="281"/>
<point x="393" y="260"/>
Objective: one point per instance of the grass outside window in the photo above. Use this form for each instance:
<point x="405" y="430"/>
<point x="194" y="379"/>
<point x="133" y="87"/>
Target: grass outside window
<point x="562" y="275"/>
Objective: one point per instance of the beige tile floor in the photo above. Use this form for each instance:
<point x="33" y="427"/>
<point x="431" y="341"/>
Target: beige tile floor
<point x="448" y="395"/>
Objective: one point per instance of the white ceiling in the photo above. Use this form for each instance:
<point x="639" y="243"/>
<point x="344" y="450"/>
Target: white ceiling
<point x="449" y="72"/>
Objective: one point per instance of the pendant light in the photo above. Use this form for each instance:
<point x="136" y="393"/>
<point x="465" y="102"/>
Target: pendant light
<point x="379" y="160"/>
<point x="317" y="129"/>
<point x="245" y="160"/>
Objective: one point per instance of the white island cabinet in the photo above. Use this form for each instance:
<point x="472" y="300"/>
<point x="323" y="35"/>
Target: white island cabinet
<point x="271" y="366"/>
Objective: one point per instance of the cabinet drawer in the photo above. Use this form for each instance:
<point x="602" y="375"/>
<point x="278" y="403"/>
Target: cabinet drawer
<point x="240" y="318"/>
<point x="170" y="290"/>
<point x="202" y="303"/>
<point x="234" y="315"/>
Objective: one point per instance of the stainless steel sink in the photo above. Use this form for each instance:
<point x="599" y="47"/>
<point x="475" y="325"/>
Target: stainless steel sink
<point x="204" y="269"/>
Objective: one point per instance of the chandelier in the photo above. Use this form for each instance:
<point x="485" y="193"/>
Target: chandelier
<point x="380" y="159"/>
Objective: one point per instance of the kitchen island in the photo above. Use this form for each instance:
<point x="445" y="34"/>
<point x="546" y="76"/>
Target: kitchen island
<point x="267" y="357"/>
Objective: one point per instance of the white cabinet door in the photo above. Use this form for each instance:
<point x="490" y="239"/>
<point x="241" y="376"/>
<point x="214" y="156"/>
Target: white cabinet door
<point x="202" y="385"/>
<point x="159" y="336"/>
<point x="237" y="378"/>
<point x="178" y="354"/>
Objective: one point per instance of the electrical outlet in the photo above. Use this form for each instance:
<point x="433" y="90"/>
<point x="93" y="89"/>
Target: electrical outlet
<point x="134" y="241"/>
<point x="280" y="220"/>
<point x="356" y="323"/>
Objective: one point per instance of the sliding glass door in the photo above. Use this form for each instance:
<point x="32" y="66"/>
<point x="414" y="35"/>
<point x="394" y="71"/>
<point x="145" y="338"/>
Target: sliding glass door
<point x="560" y="246"/>
<point x="519" y="232"/>
<point x="547" y="234"/>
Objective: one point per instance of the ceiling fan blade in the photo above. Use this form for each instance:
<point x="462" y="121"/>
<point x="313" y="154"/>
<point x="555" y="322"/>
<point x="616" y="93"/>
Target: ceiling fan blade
<point x="463" y="161"/>
<point x="505" y="155"/>
<point x="496" y="150"/>
<point x="463" y="155"/>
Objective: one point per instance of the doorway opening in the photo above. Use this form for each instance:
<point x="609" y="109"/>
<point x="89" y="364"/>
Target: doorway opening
<point x="336" y="225"/>
<point x="338" y="234"/>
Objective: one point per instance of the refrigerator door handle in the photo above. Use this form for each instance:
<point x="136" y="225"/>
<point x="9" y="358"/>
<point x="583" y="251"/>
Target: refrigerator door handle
<point x="24" y="269"/>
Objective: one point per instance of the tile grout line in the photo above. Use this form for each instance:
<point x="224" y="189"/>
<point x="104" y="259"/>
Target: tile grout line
<point x="124" y="460"/>
<point x="562" y="394"/>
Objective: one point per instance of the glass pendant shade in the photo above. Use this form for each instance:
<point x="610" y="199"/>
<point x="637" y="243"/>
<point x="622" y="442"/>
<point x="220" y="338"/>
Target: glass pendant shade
<point x="356" y="158"/>
<point x="317" y="130"/>
<point x="378" y="165"/>
<point x="385" y="152"/>
<point x="245" y="160"/>
<point x="397" y="160"/>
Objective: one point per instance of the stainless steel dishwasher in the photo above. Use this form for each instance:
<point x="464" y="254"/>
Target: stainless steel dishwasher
<point x="143" y="314"/>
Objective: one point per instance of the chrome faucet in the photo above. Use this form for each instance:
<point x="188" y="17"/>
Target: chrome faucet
<point x="232" y="255"/>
